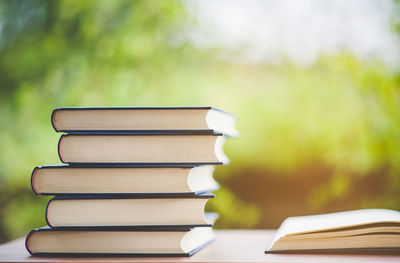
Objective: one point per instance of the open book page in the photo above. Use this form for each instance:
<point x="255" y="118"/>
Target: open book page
<point x="313" y="223"/>
<point x="301" y="224"/>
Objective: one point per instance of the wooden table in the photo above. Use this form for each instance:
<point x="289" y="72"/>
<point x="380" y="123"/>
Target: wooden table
<point x="229" y="246"/>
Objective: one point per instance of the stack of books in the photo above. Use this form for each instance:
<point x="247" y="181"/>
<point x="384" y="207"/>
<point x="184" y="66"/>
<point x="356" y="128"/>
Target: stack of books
<point x="134" y="181"/>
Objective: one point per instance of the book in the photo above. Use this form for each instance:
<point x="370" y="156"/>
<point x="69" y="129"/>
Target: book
<point x="365" y="230"/>
<point x="108" y="211"/>
<point x="144" y="119"/>
<point x="106" y="242"/>
<point x="186" y="180"/>
<point x="142" y="148"/>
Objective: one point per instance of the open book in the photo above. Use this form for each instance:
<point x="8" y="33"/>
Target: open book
<point x="366" y="230"/>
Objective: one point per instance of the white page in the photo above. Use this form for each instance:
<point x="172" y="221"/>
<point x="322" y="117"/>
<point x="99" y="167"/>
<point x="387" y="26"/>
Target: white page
<point x="312" y="223"/>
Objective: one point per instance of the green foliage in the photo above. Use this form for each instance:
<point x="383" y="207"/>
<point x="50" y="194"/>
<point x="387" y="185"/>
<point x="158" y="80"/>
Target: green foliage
<point x="341" y="113"/>
<point x="233" y="212"/>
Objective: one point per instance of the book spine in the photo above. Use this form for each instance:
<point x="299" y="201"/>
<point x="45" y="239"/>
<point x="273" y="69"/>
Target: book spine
<point x="33" y="181"/>
<point x="53" y="123"/>
<point x="59" y="148"/>
<point x="27" y="241"/>
<point x="47" y="213"/>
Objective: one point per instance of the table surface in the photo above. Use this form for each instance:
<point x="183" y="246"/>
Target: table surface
<point x="229" y="246"/>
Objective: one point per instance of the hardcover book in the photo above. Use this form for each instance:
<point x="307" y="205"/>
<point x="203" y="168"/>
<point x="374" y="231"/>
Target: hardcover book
<point x="144" y="119"/>
<point x="108" y="211"/>
<point x="123" y="180"/>
<point x="142" y="149"/>
<point x="106" y="242"/>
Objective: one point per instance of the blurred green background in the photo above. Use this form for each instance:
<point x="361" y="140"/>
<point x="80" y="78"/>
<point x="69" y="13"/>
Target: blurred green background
<point x="314" y="139"/>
